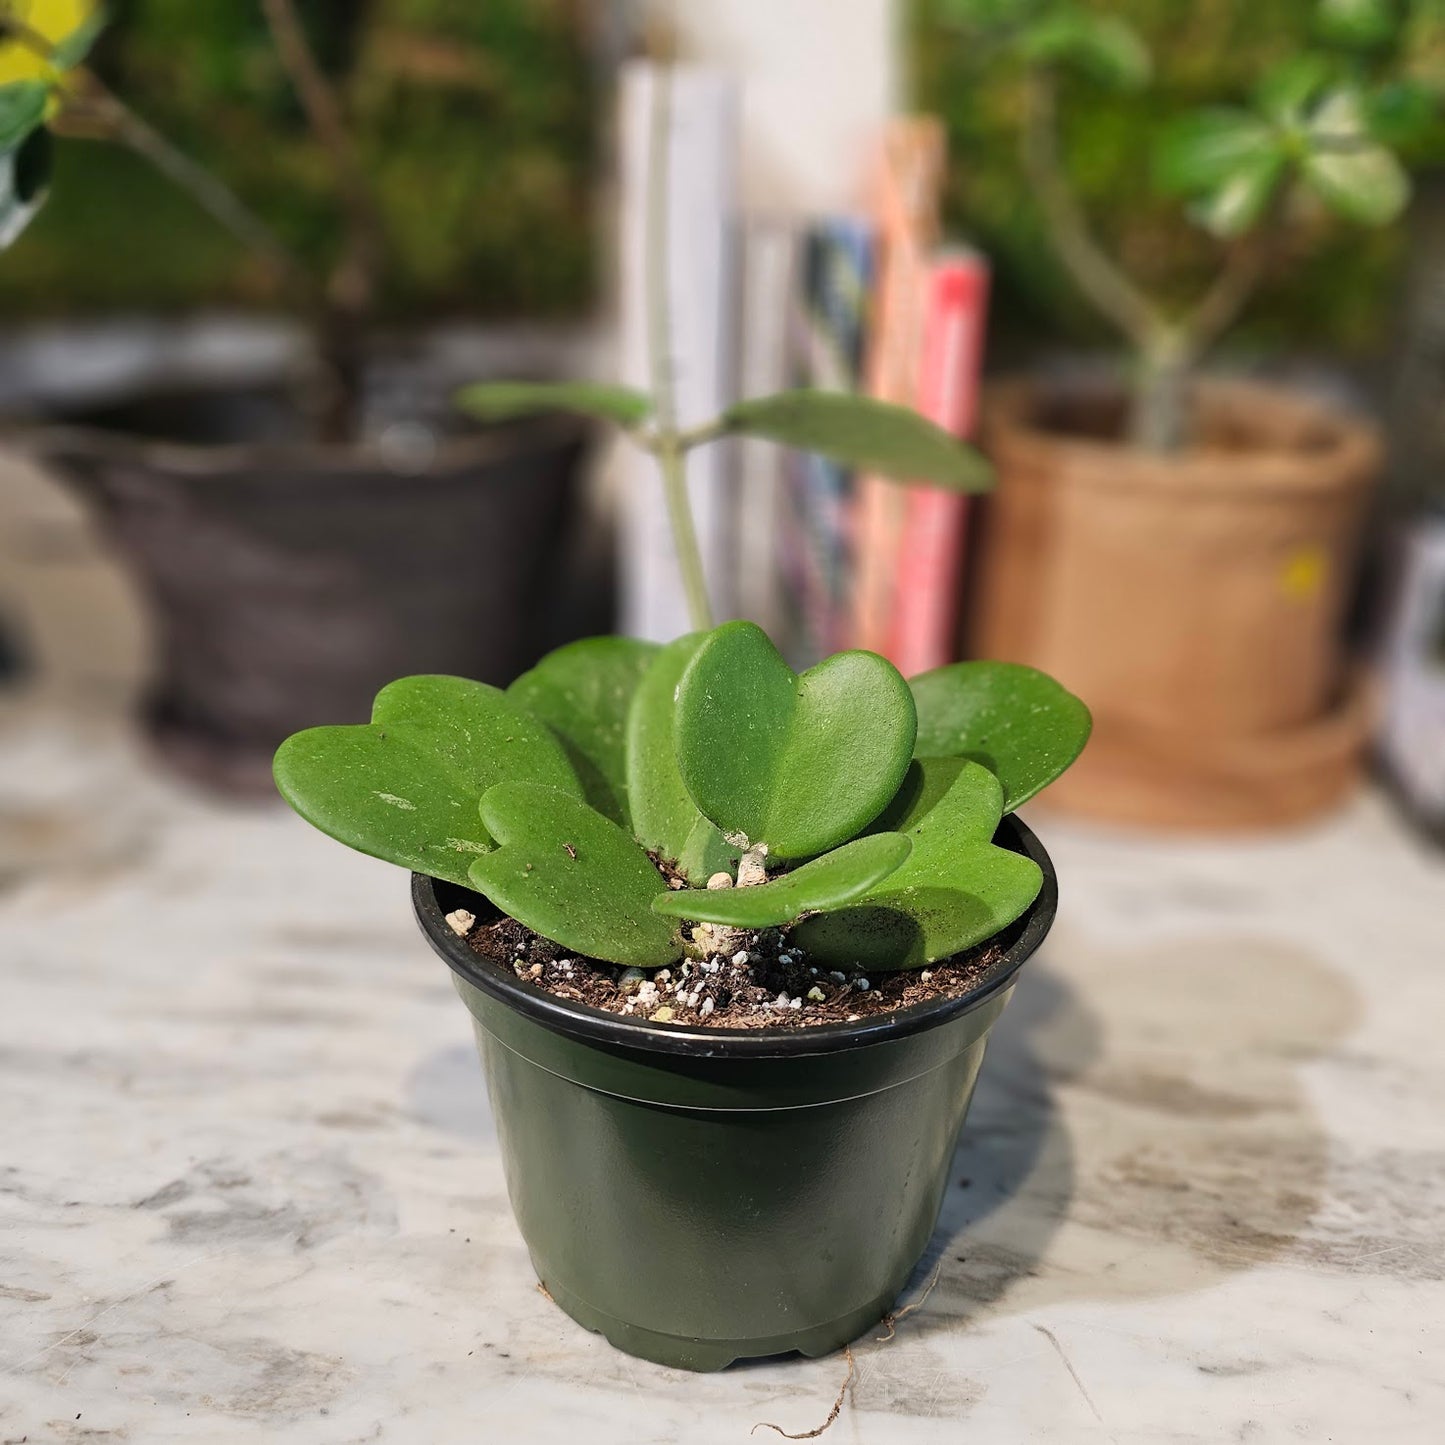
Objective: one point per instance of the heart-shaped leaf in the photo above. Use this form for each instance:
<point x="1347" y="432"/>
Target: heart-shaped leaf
<point x="573" y="876"/>
<point x="664" y="816"/>
<point x="1018" y="722"/>
<point x="499" y="400"/>
<point x="799" y="763"/>
<point x="827" y="882"/>
<point x="582" y="692"/>
<point x="955" y="889"/>
<point x="872" y="436"/>
<point x="405" y="786"/>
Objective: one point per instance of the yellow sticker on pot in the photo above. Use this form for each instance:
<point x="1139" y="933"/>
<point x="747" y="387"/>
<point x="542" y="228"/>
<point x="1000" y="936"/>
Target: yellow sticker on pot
<point x="1304" y="573"/>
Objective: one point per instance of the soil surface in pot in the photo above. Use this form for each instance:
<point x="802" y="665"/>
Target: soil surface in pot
<point x="746" y="979"/>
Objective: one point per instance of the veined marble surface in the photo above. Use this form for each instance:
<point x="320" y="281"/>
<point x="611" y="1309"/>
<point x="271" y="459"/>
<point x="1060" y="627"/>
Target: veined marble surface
<point x="249" y="1188"/>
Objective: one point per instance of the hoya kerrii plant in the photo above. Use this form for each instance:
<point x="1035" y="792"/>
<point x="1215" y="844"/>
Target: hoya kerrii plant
<point x="622" y="799"/>
<point x="862" y="808"/>
<point x="622" y="793"/>
<point x="1322" y="138"/>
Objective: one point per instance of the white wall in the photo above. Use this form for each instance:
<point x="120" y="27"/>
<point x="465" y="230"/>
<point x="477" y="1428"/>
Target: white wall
<point x="819" y="78"/>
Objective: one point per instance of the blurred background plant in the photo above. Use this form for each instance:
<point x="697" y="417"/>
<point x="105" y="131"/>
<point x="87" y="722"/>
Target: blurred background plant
<point x="1132" y="71"/>
<point x="474" y="125"/>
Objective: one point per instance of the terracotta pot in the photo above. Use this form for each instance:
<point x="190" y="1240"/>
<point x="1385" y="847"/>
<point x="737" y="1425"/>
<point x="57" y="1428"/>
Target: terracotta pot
<point x="287" y="581"/>
<point x="1197" y="595"/>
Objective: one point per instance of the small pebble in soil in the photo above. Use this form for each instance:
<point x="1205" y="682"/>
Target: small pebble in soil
<point x="740" y="978"/>
<point x="720" y="880"/>
<point x="461" y="922"/>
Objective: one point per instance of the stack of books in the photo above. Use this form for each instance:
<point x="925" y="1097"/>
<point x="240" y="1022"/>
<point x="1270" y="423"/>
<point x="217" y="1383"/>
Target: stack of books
<point x="874" y="303"/>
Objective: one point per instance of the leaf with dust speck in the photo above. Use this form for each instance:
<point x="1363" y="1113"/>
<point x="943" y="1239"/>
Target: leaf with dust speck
<point x="1018" y="722"/>
<point x="572" y="875"/>
<point x="405" y="786"/>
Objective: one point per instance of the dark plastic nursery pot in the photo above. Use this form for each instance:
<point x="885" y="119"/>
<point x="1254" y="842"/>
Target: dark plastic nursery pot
<point x="700" y="1196"/>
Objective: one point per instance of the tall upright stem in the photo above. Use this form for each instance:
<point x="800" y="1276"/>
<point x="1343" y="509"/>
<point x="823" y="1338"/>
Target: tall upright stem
<point x="1094" y="271"/>
<point x="667" y="445"/>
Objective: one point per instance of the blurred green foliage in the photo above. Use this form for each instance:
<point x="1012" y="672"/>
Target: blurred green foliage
<point x="476" y="121"/>
<point x="1333" y="290"/>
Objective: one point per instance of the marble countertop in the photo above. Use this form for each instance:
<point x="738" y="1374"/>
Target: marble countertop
<point x="249" y="1187"/>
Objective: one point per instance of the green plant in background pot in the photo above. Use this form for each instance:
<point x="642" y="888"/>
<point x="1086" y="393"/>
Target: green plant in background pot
<point x="703" y="1170"/>
<point x="1177" y="548"/>
<point x="284" y="524"/>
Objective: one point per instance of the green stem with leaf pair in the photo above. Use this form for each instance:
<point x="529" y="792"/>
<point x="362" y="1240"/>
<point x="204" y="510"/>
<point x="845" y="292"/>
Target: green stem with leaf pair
<point x="1167" y="347"/>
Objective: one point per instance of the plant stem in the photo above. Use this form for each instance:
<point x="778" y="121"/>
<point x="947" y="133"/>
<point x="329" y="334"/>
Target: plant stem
<point x="667" y="444"/>
<point x="351" y="287"/>
<point x="672" y="462"/>
<point x="1219" y="307"/>
<point x="205" y="188"/>
<point x="1095" y="272"/>
<point x="1158" y="415"/>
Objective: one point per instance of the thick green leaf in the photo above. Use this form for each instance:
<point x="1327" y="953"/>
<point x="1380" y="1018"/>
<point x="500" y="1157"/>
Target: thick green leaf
<point x="1287" y="89"/>
<point x="573" y="876"/>
<point x="1238" y="203"/>
<point x="827" y="882"/>
<point x="1103" y="47"/>
<point x="664" y="816"/>
<point x="1367" y="185"/>
<point x="1362" y="24"/>
<point x="799" y="763"/>
<point x="871" y="436"/>
<point x="707" y="852"/>
<point x="1200" y="152"/>
<point x="405" y="786"/>
<point x="1352" y="174"/>
<point x="955" y="889"/>
<point x="582" y="692"/>
<point x="499" y="400"/>
<point x="22" y="108"/>
<point x="1400" y="112"/>
<point x="1018" y="722"/>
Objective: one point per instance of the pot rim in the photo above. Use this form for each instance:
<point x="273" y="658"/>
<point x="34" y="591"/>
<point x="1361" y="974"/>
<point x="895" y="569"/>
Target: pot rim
<point x="598" y="1026"/>
<point x="61" y="443"/>
<point x="1351" y="461"/>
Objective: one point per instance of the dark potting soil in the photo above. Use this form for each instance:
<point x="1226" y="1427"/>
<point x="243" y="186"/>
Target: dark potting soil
<point x="746" y="979"/>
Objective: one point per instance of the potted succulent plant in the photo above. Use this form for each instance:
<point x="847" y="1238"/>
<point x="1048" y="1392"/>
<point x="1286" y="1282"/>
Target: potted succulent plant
<point x="289" y="531"/>
<point x="732" y="938"/>
<point x="1179" y="548"/>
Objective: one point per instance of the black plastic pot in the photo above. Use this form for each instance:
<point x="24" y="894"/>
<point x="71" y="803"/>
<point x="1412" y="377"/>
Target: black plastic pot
<point x="289" y="581"/>
<point x="701" y="1196"/>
